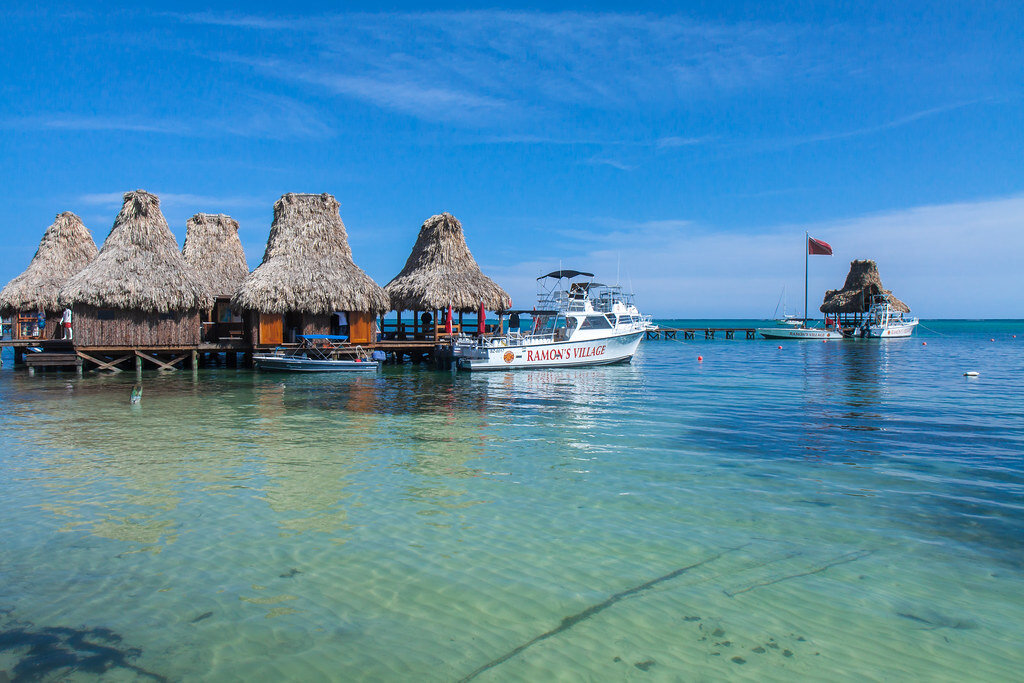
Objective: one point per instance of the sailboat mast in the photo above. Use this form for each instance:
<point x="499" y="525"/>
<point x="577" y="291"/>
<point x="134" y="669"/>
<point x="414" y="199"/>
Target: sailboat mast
<point x="806" y="236"/>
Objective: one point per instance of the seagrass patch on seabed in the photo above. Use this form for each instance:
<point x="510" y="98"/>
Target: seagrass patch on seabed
<point x="55" y="652"/>
<point x="748" y="567"/>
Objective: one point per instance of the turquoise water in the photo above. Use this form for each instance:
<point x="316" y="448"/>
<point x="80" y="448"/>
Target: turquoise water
<point x="841" y="510"/>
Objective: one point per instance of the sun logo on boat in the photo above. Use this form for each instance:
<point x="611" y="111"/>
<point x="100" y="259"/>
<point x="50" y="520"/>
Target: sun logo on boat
<point x="508" y="357"/>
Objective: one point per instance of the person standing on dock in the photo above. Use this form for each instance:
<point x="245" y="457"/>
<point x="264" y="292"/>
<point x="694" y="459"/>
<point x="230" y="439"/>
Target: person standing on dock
<point x="65" y="323"/>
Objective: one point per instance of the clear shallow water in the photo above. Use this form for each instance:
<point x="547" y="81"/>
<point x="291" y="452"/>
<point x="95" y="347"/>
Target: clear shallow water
<point x="840" y="510"/>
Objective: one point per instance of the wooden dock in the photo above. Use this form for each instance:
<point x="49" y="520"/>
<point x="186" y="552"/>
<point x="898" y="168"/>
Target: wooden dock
<point x="706" y="332"/>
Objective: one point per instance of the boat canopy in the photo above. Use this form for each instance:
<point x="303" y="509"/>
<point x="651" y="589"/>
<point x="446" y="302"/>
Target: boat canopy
<point x="527" y="311"/>
<point x="558" y="274"/>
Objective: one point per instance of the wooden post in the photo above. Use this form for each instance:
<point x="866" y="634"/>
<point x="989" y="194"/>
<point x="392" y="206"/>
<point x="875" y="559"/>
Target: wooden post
<point x="138" y="364"/>
<point x="194" y="360"/>
<point x="398" y="325"/>
<point x="19" y="355"/>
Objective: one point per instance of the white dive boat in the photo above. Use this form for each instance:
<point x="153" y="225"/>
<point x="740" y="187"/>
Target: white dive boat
<point x="582" y="323"/>
<point x="885" y="321"/>
<point x="317" y="353"/>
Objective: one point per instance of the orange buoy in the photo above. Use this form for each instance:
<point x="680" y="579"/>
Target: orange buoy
<point x="924" y="343"/>
<point x="991" y="339"/>
<point x="700" y="358"/>
<point x="780" y="347"/>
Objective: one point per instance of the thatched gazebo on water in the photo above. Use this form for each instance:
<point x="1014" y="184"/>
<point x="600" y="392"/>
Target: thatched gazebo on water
<point x="307" y="276"/>
<point x="138" y="292"/>
<point x="851" y="303"/>
<point x="440" y="272"/>
<point x="214" y="252"/>
<point x="66" y="248"/>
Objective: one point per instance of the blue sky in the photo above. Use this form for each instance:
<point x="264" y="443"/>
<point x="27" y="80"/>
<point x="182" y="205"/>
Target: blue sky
<point x="687" y="146"/>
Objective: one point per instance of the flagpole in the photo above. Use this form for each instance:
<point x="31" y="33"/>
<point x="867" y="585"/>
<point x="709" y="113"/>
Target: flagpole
<point x="806" y="251"/>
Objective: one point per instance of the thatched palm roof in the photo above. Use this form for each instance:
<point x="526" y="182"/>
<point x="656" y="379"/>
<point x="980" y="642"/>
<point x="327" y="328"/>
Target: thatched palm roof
<point x="862" y="282"/>
<point x="215" y="253"/>
<point x="308" y="264"/>
<point x="65" y="249"/>
<point x="442" y="271"/>
<point x="139" y="266"/>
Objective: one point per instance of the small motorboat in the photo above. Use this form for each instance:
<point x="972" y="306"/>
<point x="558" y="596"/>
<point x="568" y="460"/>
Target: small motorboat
<point x="317" y="353"/>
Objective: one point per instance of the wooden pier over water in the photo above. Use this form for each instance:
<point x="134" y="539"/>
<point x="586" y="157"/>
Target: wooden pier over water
<point x="706" y="332"/>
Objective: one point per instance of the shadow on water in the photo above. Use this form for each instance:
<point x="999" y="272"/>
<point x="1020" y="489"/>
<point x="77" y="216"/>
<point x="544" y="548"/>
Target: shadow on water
<point x="56" y="652"/>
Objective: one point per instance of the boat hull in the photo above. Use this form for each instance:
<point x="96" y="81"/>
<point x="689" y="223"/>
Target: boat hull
<point x="891" y="331"/>
<point x="799" y="333"/>
<point x="603" y="351"/>
<point x="286" y="364"/>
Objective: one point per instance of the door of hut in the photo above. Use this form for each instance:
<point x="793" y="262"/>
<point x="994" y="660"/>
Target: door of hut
<point x="271" y="328"/>
<point x="361" y="327"/>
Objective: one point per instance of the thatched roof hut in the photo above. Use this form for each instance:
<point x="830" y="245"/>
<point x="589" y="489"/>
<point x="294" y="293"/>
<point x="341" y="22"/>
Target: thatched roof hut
<point x="862" y="282"/>
<point x="215" y="253"/>
<point x="308" y="264"/>
<point x="442" y="271"/>
<point x="66" y="248"/>
<point x="139" y="267"/>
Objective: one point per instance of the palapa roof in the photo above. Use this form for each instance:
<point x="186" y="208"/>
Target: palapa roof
<point x="308" y="264"/>
<point x="442" y="271"/>
<point x="215" y="253"/>
<point x="65" y="249"/>
<point x="862" y="282"/>
<point x="139" y="266"/>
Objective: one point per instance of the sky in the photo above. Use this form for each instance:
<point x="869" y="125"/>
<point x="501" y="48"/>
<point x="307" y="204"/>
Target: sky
<point x="682" y="148"/>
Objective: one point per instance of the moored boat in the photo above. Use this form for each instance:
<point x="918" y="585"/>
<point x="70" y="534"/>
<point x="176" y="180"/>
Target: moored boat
<point x="886" y="321"/>
<point x="317" y="353"/>
<point x="824" y="333"/>
<point x="791" y="327"/>
<point x="581" y="323"/>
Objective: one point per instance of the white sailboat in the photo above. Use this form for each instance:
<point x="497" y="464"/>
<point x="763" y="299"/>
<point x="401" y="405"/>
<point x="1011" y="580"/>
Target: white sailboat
<point x="787" y="318"/>
<point x="799" y="328"/>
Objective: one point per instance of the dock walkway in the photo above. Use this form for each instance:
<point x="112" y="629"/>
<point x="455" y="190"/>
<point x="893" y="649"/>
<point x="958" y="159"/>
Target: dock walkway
<point x="707" y="332"/>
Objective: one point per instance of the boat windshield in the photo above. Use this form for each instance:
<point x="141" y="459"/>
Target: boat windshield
<point x="595" y="322"/>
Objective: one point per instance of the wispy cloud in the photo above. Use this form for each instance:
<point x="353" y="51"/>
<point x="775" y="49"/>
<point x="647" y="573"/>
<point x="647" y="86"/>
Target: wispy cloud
<point x="252" y="114"/>
<point x="477" y="65"/>
<point x="885" y="125"/>
<point x="671" y="142"/>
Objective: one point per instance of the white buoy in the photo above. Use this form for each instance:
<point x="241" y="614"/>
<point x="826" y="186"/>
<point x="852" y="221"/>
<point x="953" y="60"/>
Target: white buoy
<point x="970" y="373"/>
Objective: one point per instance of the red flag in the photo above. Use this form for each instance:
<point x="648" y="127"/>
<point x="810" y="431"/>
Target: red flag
<point x="448" y="321"/>
<point x="818" y="248"/>
<point x="482" y="319"/>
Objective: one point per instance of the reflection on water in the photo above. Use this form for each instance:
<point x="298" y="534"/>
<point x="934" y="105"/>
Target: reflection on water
<point x="781" y="513"/>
